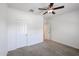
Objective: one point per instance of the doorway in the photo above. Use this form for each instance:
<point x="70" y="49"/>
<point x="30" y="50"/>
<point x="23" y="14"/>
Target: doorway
<point x="46" y="30"/>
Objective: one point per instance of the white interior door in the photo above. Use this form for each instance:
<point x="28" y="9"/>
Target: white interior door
<point x="21" y="32"/>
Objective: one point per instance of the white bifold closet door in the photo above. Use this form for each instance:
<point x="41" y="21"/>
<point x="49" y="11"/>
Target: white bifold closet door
<point x="21" y="34"/>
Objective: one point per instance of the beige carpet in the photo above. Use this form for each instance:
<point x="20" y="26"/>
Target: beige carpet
<point x="47" y="48"/>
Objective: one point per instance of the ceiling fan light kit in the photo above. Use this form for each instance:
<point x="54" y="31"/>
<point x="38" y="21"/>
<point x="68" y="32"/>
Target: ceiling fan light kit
<point x="50" y="11"/>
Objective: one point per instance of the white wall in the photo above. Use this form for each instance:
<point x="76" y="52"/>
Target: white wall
<point x="3" y="29"/>
<point x="34" y="28"/>
<point x="65" y="28"/>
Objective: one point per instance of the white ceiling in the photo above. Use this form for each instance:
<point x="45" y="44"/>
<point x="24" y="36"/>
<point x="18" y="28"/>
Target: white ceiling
<point x="27" y="6"/>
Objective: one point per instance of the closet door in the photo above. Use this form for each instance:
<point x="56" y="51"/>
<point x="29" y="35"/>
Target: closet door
<point x="21" y="34"/>
<point x="12" y="44"/>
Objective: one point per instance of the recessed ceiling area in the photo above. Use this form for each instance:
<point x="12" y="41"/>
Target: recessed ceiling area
<point x="34" y="7"/>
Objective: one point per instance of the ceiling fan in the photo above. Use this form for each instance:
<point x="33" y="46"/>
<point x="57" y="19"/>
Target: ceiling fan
<point x="51" y="8"/>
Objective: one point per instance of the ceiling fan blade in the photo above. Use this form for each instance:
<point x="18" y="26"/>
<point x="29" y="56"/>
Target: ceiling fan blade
<point x="51" y="5"/>
<point x="58" y="7"/>
<point x="53" y="12"/>
<point x="45" y="13"/>
<point x="42" y="8"/>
